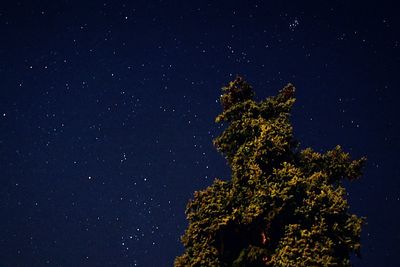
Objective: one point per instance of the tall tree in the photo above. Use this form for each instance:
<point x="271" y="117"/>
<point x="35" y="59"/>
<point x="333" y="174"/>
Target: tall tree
<point x="283" y="206"/>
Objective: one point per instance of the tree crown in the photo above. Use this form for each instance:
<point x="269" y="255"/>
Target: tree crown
<point x="283" y="206"/>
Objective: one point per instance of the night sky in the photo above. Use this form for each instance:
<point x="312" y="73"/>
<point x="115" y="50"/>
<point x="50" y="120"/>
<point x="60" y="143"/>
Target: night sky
<point x="107" y="116"/>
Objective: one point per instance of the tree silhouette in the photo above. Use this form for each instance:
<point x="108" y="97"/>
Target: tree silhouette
<point x="283" y="206"/>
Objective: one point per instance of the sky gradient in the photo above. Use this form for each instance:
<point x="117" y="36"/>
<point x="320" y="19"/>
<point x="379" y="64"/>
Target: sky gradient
<point x="107" y="116"/>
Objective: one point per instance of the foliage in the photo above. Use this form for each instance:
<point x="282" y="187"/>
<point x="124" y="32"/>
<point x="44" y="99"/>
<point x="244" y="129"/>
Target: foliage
<point x="283" y="206"/>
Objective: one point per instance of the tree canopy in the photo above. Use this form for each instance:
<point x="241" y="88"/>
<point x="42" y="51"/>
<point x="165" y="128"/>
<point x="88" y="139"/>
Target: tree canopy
<point x="283" y="206"/>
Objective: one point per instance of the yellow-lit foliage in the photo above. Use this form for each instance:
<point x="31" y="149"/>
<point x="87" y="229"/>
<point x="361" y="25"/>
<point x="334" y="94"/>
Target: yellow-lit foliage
<point x="283" y="206"/>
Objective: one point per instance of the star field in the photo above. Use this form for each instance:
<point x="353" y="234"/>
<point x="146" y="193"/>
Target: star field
<point x="107" y="116"/>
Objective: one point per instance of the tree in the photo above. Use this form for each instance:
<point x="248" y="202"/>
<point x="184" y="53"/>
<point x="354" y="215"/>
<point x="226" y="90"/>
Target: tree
<point x="284" y="206"/>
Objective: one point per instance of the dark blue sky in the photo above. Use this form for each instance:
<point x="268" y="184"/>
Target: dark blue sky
<point x="107" y="116"/>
